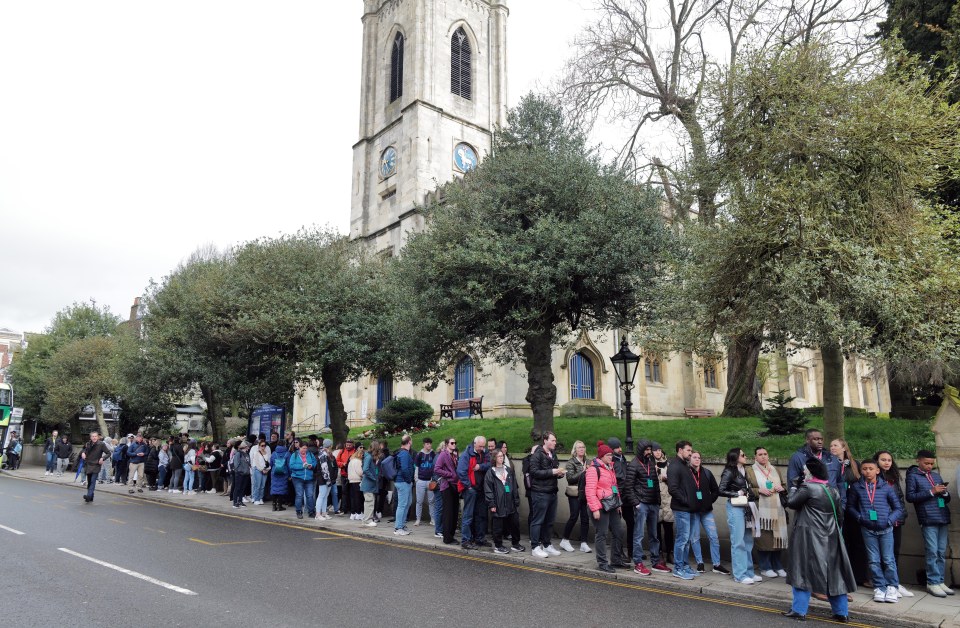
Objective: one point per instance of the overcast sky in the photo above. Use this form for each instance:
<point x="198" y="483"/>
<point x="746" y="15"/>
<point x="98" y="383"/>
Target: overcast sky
<point x="133" y="132"/>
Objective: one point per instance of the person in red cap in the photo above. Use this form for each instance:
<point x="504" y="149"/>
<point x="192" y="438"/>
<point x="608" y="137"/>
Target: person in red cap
<point x="604" y="502"/>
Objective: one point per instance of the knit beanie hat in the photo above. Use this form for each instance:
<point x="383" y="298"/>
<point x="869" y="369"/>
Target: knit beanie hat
<point x="613" y="442"/>
<point x="603" y="449"/>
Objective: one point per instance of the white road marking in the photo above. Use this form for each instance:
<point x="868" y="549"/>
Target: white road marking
<point x="12" y="530"/>
<point x="165" y="585"/>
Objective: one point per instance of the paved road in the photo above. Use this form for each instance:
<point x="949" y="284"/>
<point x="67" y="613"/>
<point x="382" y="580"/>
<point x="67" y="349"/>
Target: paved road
<point x="258" y="573"/>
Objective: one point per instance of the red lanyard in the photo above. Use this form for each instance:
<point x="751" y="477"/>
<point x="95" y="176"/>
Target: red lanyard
<point x="765" y="473"/>
<point x="930" y="479"/>
<point x="870" y="495"/>
<point x="696" y="477"/>
<point x="646" y="467"/>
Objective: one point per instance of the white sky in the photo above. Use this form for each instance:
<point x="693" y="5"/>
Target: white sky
<point x="132" y="132"/>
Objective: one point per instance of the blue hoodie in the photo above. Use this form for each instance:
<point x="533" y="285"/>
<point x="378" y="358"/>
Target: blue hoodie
<point x="404" y="466"/>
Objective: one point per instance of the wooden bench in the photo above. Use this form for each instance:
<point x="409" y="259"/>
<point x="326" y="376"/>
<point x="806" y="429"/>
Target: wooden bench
<point x="473" y="405"/>
<point x="698" y="413"/>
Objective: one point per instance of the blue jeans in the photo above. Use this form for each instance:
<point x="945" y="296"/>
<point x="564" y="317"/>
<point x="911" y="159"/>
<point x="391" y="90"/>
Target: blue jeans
<point x="741" y="542"/>
<point x="323" y="497"/>
<point x="51" y="462"/>
<point x="304" y="494"/>
<point x="879" y="545"/>
<point x="645" y="520"/>
<point x="91" y="484"/>
<point x="682" y="522"/>
<point x="437" y="510"/>
<point x="542" y="515"/>
<point x="335" y="496"/>
<point x="162" y="476"/>
<point x="801" y="602"/>
<point x="188" y="474"/>
<point x="474" y="526"/>
<point x="935" y="549"/>
<point x="769" y="561"/>
<point x="259" y="483"/>
<point x="403" y="504"/>
<point x="710" y="525"/>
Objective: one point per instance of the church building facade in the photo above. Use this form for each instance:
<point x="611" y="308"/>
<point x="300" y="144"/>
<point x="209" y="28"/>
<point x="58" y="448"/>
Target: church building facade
<point x="434" y="88"/>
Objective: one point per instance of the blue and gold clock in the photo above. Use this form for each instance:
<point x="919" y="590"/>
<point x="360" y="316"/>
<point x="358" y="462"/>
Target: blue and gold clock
<point x="388" y="162"/>
<point x="464" y="157"/>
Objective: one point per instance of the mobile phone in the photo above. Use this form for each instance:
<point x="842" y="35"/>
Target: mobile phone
<point x="945" y="483"/>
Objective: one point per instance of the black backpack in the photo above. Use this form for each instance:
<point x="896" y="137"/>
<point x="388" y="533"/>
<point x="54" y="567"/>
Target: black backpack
<point x="582" y="483"/>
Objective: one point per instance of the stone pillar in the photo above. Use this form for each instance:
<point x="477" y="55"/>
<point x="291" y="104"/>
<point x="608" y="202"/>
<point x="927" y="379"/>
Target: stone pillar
<point x="946" y="429"/>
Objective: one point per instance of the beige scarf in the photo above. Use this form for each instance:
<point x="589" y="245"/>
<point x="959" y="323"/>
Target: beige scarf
<point x="772" y="515"/>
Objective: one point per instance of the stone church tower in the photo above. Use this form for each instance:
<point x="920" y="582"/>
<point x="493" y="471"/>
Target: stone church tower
<point x="433" y="89"/>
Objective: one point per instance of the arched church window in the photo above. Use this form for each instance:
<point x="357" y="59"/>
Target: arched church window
<point x="463" y="382"/>
<point x="581" y="377"/>
<point x="460" y="64"/>
<point x="396" y="68"/>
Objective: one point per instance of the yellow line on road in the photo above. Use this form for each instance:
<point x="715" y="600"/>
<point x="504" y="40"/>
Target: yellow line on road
<point x="327" y="538"/>
<point x="117" y="521"/>
<point x="224" y="543"/>
<point x="154" y="530"/>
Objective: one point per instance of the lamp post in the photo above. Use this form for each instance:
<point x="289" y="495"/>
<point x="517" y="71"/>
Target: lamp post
<point x="625" y="364"/>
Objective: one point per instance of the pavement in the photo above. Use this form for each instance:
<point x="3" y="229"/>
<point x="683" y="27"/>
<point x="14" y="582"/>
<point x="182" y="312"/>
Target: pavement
<point x="368" y="562"/>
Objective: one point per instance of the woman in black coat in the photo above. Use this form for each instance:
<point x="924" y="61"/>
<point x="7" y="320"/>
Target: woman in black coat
<point x="819" y="561"/>
<point x="503" y="498"/>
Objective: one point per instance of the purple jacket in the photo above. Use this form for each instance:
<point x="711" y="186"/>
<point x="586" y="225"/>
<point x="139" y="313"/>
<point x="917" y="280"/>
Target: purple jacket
<point x="446" y="469"/>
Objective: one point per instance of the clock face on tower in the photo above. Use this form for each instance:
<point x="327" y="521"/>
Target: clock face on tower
<point x="464" y="157"/>
<point x="388" y="162"/>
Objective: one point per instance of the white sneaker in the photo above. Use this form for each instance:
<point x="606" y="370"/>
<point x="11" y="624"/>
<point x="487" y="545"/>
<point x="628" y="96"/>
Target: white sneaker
<point x="45" y="473"/>
<point x="891" y="595"/>
<point x="936" y="590"/>
<point x="246" y="500"/>
<point x="782" y="573"/>
<point x="550" y="549"/>
<point x="879" y="595"/>
<point x="371" y="524"/>
<point x="539" y="552"/>
<point x="213" y="490"/>
<point x="401" y="532"/>
<point x="745" y="580"/>
<point x="193" y="492"/>
<point x="416" y="523"/>
<point x="769" y="573"/>
<point x="757" y="578"/>
<point x="946" y="589"/>
<point x="565" y="545"/>
<point x="585" y="548"/>
<point x="903" y="592"/>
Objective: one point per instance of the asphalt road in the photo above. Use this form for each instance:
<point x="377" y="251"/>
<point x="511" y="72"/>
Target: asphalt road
<point x="247" y="572"/>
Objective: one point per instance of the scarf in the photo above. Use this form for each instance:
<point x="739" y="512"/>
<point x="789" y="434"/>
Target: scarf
<point x="771" y="514"/>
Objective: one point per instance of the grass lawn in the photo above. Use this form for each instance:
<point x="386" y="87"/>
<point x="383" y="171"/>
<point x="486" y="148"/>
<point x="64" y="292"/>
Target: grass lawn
<point x="713" y="437"/>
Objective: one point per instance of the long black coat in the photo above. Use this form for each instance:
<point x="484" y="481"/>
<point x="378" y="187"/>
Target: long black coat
<point x="497" y="496"/>
<point x="819" y="561"/>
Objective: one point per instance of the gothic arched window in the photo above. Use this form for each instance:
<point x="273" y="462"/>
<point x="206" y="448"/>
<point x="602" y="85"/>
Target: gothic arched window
<point x="396" y="68"/>
<point x="581" y="377"/>
<point x="463" y="382"/>
<point x="460" y="64"/>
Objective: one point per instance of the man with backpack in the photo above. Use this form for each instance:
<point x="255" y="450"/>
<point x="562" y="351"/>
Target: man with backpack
<point x="120" y="459"/>
<point x="471" y="469"/>
<point x="403" y="483"/>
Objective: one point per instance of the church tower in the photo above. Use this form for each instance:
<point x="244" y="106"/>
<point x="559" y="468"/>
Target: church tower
<point x="434" y="87"/>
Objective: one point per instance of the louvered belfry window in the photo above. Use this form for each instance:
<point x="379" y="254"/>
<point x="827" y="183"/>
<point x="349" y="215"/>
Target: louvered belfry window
<point x="396" y="69"/>
<point x="460" y="60"/>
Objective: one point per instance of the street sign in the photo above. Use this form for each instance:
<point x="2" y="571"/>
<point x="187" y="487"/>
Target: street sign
<point x="17" y="413"/>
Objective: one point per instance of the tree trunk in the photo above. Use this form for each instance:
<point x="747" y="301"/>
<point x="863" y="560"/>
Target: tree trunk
<point x="703" y="171"/>
<point x="541" y="392"/>
<point x="218" y="425"/>
<point x="743" y="389"/>
<point x="338" y="415"/>
<point x="832" y="391"/>
<point x="98" y="411"/>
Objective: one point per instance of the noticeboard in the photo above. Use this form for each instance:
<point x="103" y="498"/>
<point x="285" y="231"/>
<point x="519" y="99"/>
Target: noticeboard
<point x="267" y="418"/>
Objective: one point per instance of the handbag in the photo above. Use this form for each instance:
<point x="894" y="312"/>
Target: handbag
<point x="740" y="501"/>
<point x="611" y="502"/>
<point x="434" y="483"/>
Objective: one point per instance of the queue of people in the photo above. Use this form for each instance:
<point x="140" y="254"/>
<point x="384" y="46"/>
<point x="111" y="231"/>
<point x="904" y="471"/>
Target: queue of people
<point x="670" y="500"/>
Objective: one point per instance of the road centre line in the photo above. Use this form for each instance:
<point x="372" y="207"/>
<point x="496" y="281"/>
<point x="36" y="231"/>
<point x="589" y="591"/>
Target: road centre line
<point x="550" y="572"/>
<point x="135" y="574"/>
<point x="202" y="542"/>
<point x="18" y="532"/>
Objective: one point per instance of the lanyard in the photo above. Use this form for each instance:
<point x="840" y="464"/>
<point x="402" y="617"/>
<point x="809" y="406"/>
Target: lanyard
<point x="765" y="473"/>
<point x="930" y="479"/>
<point x="871" y="494"/>
<point x="696" y="477"/>
<point x="647" y="466"/>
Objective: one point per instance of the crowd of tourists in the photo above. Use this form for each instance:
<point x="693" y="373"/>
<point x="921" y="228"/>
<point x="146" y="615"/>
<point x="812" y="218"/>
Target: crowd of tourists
<point x="848" y="515"/>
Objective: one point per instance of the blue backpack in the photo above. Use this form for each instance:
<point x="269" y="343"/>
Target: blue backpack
<point x="280" y="465"/>
<point x="389" y="467"/>
<point x="119" y="453"/>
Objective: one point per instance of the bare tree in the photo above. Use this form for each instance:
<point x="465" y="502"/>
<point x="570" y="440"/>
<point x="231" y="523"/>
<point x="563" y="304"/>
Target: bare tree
<point x="647" y="64"/>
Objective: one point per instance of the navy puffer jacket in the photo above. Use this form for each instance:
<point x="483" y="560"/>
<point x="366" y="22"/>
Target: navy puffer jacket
<point x="919" y="493"/>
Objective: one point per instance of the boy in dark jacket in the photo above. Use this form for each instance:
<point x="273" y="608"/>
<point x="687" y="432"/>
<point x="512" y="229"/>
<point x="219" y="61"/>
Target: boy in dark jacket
<point x="685" y="496"/>
<point x="875" y="506"/>
<point x="641" y="493"/>
<point x="928" y="493"/>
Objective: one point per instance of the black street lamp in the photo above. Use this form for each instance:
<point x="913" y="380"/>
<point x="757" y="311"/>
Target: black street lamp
<point x="625" y="365"/>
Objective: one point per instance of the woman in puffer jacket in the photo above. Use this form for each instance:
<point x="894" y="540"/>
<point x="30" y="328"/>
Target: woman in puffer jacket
<point x="601" y="483"/>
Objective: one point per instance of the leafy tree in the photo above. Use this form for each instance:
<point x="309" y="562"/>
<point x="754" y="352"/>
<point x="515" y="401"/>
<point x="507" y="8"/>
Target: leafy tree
<point x="28" y="374"/>
<point x="310" y="306"/>
<point x="81" y="372"/>
<point x="539" y="241"/>
<point x="645" y="65"/>
<point x="780" y="419"/>
<point x="829" y="241"/>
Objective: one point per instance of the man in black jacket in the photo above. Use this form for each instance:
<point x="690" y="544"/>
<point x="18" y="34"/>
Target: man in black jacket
<point x="94" y="453"/>
<point x="544" y="472"/>
<point x="620" y="470"/>
<point x="641" y="494"/>
<point x="50" y="452"/>
<point x="684" y="496"/>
